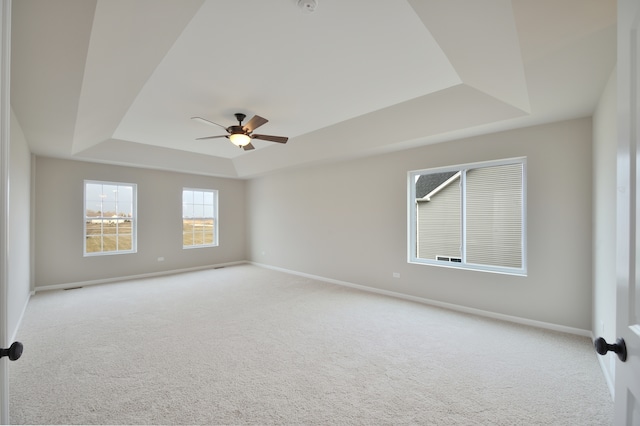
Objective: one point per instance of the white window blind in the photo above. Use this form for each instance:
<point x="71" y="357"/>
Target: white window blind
<point x="494" y="215"/>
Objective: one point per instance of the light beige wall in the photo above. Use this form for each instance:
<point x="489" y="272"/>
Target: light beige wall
<point x="19" y="252"/>
<point x="348" y="222"/>
<point x="59" y="222"/>
<point x="604" y="220"/>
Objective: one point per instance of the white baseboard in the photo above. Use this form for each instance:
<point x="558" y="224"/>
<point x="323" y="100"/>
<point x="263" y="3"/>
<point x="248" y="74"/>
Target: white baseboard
<point x="133" y="277"/>
<point x="451" y="306"/>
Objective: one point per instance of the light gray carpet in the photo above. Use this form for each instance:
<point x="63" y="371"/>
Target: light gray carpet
<point x="246" y="345"/>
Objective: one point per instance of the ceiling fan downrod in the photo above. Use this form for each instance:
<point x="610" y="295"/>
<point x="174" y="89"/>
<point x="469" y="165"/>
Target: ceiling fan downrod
<point x="240" y="117"/>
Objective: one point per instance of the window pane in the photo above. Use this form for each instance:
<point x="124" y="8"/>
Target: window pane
<point x="109" y="192"/>
<point x="125" y="208"/>
<point x="94" y="244"/>
<point x="187" y="210"/>
<point x="124" y="193"/>
<point x="438" y="215"/>
<point x="94" y="227"/>
<point x="93" y="192"/>
<point x="187" y="197"/>
<point x="125" y="227"/>
<point x="198" y="197"/>
<point x="197" y="239"/>
<point x="92" y="211"/>
<point x="109" y="242"/>
<point x="494" y="216"/>
<point x="124" y="242"/>
<point x="208" y="198"/>
<point x="207" y="231"/>
<point x="108" y="208"/>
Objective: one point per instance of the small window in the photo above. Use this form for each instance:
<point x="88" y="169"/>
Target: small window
<point x="109" y="218"/>
<point x="469" y="216"/>
<point x="199" y="218"/>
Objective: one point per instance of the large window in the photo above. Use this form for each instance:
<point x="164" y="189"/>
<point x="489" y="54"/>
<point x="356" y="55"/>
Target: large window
<point x="199" y="218"/>
<point x="109" y="218"/>
<point x="469" y="216"/>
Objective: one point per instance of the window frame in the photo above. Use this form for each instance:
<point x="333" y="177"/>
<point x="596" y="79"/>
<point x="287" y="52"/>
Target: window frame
<point x="133" y="219"/>
<point x="216" y="199"/>
<point x="412" y="225"/>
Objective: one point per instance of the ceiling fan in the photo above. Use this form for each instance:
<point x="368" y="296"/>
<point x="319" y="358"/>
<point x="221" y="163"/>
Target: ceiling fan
<point x="241" y="135"/>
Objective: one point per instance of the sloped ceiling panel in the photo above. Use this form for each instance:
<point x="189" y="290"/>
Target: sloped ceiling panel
<point x="117" y="81"/>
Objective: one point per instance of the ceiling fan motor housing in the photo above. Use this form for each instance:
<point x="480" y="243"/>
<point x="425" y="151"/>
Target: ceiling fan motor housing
<point x="236" y="129"/>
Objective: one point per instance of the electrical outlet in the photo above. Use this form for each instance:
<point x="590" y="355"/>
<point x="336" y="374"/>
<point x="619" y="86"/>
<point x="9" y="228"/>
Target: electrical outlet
<point x="161" y="259"/>
<point x="396" y="275"/>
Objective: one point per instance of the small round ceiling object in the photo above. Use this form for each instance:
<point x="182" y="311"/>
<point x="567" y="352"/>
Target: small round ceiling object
<point x="308" y="6"/>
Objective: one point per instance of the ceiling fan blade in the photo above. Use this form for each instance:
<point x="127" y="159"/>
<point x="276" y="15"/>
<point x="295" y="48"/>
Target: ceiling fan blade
<point x="248" y="147"/>
<point x="255" y="122"/>
<point x="279" y="139"/>
<point x="211" y="137"/>
<point x="205" y="121"/>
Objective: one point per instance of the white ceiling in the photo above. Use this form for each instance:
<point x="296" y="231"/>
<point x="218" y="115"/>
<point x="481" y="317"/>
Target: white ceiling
<point x="117" y="81"/>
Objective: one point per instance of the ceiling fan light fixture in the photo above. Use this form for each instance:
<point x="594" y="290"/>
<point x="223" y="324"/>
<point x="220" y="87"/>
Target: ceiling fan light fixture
<point x="239" y="139"/>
